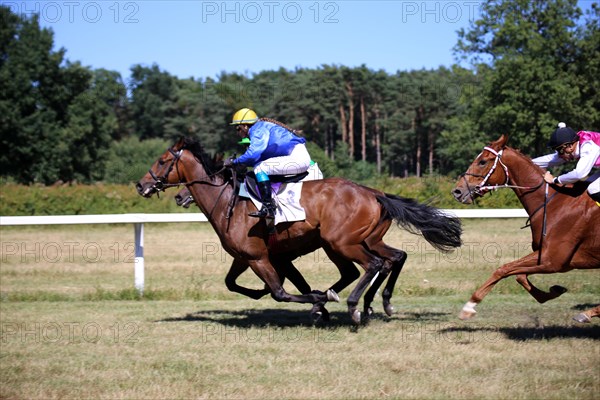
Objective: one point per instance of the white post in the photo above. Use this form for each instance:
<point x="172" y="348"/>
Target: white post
<point x="139" y="258"/>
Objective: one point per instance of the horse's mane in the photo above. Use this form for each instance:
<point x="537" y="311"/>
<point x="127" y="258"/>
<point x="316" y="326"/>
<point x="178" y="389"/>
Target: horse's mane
<point x="528" y="159"/>
<point x="194" y="146"/>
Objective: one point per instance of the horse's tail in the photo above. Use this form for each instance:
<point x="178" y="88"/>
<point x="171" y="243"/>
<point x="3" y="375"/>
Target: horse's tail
<point x="440" y="230"/>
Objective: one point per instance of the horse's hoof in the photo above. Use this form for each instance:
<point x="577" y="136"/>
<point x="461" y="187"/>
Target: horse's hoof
<point x="319" y="313"/>
<point x="582" y="318"/>
<point x="466" y="314"/>
<point x="333" y="296"/>
<point x="316" y="317"/>
<point x="389" y="309"/>
<point x="367" y="313"/>
<point x="320" y="317"/>
<point x="558" y="290"/>
<point x="356" y="317"/>
<point x="324" y="314"/>
<point x="468" y="311"/>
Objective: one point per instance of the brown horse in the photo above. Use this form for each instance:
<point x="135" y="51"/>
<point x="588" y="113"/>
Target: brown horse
<point x="346" y="219"/>
<point x="282" y="262"/>
<point x="565" y="228"/>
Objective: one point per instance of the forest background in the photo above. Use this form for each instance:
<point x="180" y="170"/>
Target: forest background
<point x="530" y="65"/>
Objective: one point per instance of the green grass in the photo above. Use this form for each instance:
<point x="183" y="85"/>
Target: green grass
<point x="74" y="327"/>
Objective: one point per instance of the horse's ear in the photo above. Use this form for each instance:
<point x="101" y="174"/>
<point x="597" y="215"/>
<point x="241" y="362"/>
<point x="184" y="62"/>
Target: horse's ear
<point x="500" y="143"/>
<point x="219" y="157"/>
<point x="179" y="144"/>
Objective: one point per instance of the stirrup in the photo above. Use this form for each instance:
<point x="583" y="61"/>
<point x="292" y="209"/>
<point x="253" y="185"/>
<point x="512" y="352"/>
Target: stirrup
<point x="263" y="213"/>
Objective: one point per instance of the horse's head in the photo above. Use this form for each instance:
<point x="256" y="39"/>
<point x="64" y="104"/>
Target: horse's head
<point x="184" y="198"/>
<point x="163" y="173"/>
<point x="486" y="170"/>
<point x="183" y="163"/>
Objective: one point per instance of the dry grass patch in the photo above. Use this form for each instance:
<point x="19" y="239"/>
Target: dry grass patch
<point x="74" y="328"/>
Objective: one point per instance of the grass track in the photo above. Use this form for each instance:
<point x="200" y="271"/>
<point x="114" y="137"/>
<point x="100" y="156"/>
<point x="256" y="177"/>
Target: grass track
<point x="73" y="328"/>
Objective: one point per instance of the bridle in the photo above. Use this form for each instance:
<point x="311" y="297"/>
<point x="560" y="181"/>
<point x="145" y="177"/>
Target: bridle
<point x="160" y="183"/>
<point x="482" y="188"/>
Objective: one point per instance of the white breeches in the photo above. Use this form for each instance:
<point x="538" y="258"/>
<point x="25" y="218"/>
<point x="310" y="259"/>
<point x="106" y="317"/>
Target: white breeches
<point x="295" y="163"/>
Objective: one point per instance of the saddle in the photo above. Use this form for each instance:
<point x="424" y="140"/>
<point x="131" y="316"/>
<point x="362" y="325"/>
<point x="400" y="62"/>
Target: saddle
<point x="277" y="182"/>
<point x="287" y="190"/>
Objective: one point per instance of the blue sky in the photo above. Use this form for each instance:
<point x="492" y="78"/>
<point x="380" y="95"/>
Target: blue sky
<point x="203" y="38"/>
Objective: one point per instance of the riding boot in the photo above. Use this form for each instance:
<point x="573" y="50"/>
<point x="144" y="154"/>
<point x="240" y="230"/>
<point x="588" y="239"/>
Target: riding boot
<point x="596" y="197"/>
<point x="268" y="206"/>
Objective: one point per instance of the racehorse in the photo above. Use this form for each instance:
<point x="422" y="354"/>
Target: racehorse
<point x="347" y="220"/>
<point x="282" y="262"/>
<point x="565" y="228"/>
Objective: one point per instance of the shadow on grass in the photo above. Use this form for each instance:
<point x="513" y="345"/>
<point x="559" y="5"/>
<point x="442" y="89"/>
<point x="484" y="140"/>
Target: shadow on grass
<point x="584" y="306"/>
<point x="293" y="318"/>
<point x="422" y="316"/>
<point x="535" y="333"/>
<point x="282" y="318"/>
<point x="263" y="318"/>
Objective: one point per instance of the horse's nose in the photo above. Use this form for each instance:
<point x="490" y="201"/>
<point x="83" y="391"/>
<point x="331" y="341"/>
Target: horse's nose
<point x="457" y="193"/>
<point x="139" y="188"/>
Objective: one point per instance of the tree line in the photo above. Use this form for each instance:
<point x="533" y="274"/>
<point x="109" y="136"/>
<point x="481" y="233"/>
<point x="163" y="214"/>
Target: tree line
<point x="525" y="66"/>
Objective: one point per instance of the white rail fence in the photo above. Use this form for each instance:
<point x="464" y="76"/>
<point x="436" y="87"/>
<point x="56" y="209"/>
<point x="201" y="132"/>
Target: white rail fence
<point x="138" y="221"/>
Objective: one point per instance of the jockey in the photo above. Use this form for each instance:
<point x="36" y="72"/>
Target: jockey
<point x="583" y="146"/>
<point x="275" y="149"/>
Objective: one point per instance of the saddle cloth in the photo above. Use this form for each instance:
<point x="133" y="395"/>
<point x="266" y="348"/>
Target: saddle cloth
<point x="286" y="196"/>
<point x="287" y="200"/>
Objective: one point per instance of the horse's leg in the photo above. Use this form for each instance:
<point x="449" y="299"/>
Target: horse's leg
<point x="395" y="260"/>
<point x="263" y="268"/>
<point x="587" y="316"/>
<point x="371" y="264"/>
<point x="374" y="265"/>
<point x="348" y="274"/>
<point x="348" y="271"/>
<point x="524" y="266"/>
<point x="286" y="269"/>
<point x="538" y="294"/>
<point x="236" y="269"/>
<point x="375" y="285"/>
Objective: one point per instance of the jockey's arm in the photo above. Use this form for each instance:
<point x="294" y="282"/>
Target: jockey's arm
<point x="259" y="139"/>
<point x="548" y="161"/>
<point x="589" y="153"/>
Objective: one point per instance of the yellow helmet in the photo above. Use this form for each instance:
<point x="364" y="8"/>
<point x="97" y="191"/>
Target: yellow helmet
<point x="244" y="116"/>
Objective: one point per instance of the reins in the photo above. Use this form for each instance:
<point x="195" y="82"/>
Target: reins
<point x="543" y="225"/>
<point x="483" y="188"/>
<point x="161" y="185"/>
